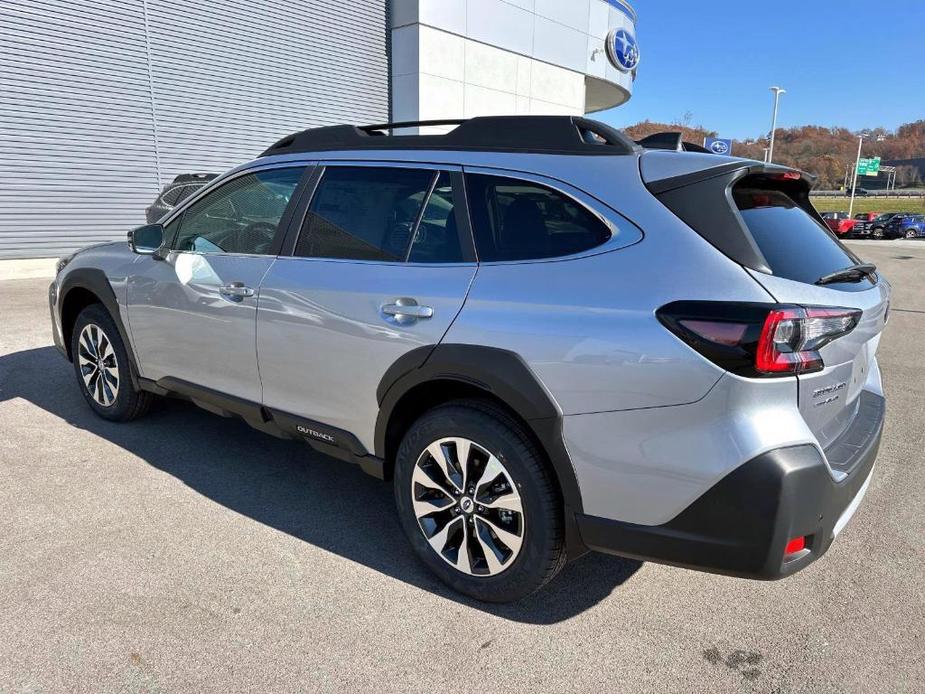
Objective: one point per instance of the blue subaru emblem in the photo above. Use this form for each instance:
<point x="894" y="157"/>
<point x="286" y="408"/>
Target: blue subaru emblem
<point x="622" y="50"/>
<point x="719" y="147"/>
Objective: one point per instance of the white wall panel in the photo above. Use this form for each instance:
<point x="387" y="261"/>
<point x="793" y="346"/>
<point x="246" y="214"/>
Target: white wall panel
<point x="573" y="13"/>
<point x="519" y="56"/>
<point x="498" y="23"/>
<point x="560" y="45"/>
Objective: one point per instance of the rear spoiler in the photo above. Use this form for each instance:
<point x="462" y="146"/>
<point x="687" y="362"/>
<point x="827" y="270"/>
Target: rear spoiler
<point x="673" y="141"/>
<point x="194" y="177"/>
<point x="740" y="168"/>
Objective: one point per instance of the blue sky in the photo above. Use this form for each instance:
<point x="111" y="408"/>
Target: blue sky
<point x="842" y="62"/>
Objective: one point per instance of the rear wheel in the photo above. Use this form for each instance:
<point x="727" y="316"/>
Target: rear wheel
<point x="478" y="503"/>
<point x="103" y="368"/>
<point x="911" y="233"/>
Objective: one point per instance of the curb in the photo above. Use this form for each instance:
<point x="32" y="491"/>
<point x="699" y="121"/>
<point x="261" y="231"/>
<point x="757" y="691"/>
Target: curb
<point x="27" y="268"/>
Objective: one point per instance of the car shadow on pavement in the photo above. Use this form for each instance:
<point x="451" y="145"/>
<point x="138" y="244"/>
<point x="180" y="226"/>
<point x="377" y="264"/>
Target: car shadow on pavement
<point x="288" y="486"/>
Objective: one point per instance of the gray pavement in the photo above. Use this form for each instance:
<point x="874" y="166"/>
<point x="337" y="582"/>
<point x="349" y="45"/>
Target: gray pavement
<point x="186" y="552"/>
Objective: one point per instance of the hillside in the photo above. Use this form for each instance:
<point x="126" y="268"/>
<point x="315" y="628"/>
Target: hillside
<point x="825" y="152"/>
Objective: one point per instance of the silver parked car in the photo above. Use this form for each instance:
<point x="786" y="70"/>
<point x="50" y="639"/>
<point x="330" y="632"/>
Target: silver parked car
<point x="549" y="338"/>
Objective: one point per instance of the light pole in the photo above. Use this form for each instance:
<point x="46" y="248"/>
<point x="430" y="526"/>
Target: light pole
<point x="777" y="92"/>
<point x="854" y="178"/>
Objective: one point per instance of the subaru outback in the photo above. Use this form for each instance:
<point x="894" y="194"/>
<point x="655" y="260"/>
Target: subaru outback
<point x="550" y="339"/>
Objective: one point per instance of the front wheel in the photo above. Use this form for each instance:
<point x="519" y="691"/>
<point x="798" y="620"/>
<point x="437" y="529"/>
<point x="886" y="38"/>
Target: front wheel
<point x="103" y="369"/>
<point x="877" y="232"/>
<point x="911" y="234"/>
<point x="478" y="503"/>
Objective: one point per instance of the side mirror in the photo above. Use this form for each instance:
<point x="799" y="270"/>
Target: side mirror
<point x="147" y="239"/>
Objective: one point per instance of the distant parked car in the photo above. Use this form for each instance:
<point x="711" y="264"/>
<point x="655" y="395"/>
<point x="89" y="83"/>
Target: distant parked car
<point x="907" y="226"/>
<point x="175" y="192"/>
<point x="863" y="221"/>
<point x="878" y="225"/>
<point x="839" y="222"/>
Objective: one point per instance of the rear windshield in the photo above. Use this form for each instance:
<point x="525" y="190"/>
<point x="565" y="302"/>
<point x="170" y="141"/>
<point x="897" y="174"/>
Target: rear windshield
<point x="795" y="245"/>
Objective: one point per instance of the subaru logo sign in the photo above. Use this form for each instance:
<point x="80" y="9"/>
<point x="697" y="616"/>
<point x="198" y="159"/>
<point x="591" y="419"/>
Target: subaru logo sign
<point x="622" y="50"/>
<point x="718" y="145"/>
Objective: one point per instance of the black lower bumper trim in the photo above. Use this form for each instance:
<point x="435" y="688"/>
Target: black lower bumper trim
<point x="741" y="526"/>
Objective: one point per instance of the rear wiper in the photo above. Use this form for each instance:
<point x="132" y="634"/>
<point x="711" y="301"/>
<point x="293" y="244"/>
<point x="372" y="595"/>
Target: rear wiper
<point x="854" y="273"/>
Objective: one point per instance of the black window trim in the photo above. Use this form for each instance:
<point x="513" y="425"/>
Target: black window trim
<point x="420" y="215"/>
<point x="285" y="221"/>
<point x="605" y="214"/>
<point x="460" y="208"/>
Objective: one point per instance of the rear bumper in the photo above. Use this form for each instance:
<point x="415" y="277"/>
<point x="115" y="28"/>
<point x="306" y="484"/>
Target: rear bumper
<point x="741" y="525"/>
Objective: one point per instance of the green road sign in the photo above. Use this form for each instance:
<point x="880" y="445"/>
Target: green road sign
<point x="869" y="167"/>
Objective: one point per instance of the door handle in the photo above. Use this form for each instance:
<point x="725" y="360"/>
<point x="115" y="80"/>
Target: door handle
<point x="236" y="290"/>
<point x="406" y="310"/>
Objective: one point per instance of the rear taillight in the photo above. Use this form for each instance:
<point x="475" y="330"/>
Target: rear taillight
<point x="758" y="340"/>
<point x="791" y="337"/>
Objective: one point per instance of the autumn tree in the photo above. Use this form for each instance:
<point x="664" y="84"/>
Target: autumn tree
<point x="827" y="152"/>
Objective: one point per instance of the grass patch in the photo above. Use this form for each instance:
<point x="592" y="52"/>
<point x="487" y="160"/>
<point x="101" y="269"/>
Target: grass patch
<point x="915" y="205"/>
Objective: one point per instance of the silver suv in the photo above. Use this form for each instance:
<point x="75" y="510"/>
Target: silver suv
<point x="549" y="338"/>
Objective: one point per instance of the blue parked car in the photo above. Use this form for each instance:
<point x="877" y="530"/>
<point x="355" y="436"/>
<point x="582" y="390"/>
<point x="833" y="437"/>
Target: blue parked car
<point x="909" y="226"/>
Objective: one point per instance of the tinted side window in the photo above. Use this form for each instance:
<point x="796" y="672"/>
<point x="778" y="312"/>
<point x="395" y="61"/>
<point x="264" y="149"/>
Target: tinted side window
<point x="520" y="220"/>
<point x="364" y="213"/>
<point x="794" y="244"/>
<point x="185" y="192"/>
<point x="437" y="237"/>
<point x="241" y="216"/>
<point x="170" y="197"/>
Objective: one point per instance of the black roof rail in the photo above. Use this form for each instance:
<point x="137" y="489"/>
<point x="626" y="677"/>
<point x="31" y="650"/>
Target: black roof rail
<point x="535" y="134"/>
<point x="401" y="125"/>
<point x="670" y="140"/>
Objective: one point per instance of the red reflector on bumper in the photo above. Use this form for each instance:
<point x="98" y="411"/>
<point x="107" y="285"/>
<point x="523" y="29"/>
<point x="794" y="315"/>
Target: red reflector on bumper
<point x="797" y="544"/>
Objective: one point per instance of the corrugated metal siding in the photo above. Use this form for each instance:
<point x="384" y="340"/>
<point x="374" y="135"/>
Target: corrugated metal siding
<point x="76" y="161"/>
<point x="84" y="98"/>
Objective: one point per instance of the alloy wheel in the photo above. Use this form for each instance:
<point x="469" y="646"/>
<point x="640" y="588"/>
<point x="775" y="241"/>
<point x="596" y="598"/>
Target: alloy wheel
<point x="98" y="365"/>
<point x="467" y="506"/>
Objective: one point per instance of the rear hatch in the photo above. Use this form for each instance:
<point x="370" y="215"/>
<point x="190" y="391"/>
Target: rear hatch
<point x="762" y="218"/>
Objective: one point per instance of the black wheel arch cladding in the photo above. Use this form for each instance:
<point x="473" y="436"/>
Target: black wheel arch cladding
<point x="96" y="283"/>
<point x="496" y="372"/>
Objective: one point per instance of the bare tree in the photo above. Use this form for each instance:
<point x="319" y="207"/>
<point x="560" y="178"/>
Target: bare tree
<point x="907" y="175"/>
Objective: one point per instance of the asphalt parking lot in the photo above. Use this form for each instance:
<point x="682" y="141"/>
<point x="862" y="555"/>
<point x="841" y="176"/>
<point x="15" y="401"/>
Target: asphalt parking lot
<point x="186" y="552"/>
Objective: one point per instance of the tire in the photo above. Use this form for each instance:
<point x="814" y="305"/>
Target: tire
<point x="111" y="396"/>
<point x="911" y="234"/>
<point x="877" y="232"/>
<point x="493" y="437"/>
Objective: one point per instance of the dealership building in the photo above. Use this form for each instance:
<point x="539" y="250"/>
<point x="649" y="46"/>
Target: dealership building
<point x="103" y="102"/>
